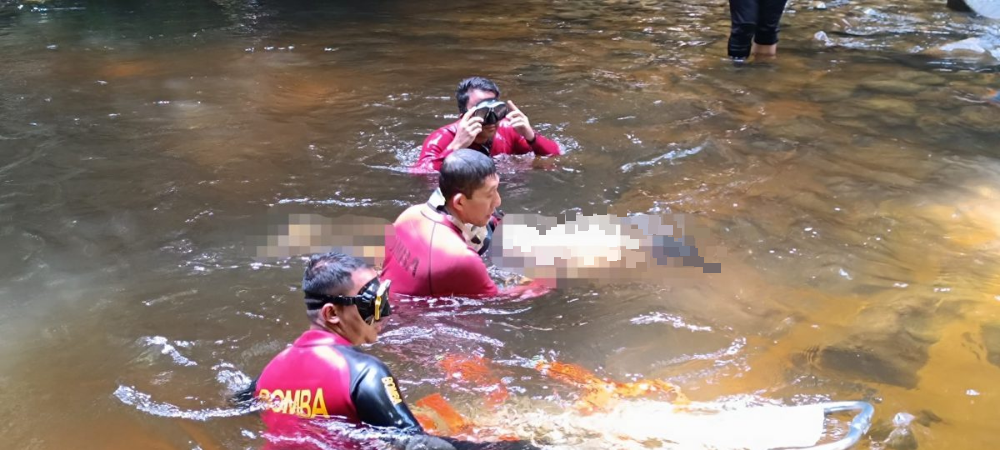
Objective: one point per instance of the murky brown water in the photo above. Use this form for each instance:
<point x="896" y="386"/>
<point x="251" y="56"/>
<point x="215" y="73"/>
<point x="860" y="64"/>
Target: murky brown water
<point x="854" y="182"/>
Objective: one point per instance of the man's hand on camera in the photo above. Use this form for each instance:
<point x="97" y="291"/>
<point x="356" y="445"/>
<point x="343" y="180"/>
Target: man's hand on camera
<point x="468" y="128"/>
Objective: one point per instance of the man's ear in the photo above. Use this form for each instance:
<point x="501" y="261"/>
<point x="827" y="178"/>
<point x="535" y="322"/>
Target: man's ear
<point x="458" y="201"/>
<point x="329" y="314"/>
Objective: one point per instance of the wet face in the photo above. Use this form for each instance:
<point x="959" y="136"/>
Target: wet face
<point x="476" y="96"/>
<point x="349" y="322"/>
<point x="478" y="208"/>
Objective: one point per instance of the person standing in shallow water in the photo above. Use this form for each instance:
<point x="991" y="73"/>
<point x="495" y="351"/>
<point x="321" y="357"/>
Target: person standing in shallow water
<point x="755" y="26"/>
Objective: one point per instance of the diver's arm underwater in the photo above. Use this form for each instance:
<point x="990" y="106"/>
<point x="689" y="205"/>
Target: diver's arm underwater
<point x="245" y="396"/>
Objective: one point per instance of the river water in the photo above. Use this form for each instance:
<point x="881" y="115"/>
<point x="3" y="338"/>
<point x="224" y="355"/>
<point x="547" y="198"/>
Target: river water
<point x="853" y="182"/>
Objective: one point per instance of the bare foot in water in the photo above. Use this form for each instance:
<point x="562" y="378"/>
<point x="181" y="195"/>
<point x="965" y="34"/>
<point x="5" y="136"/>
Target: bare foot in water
<point x="764" y="51"/>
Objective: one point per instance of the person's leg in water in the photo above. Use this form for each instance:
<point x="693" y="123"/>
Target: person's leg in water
<point x="765" y="41"/>
<point x="958" y="5"/>
<point x="744" y="25"/>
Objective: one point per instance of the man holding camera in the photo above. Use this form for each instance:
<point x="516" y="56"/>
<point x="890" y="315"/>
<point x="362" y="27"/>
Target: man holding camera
<point x="487" y="125"/>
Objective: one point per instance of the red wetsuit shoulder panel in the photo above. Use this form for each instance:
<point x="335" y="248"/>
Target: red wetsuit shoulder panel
<point x="310" y="379"/>
<point x="426" y="255"/>
<point x="322" y="376"/>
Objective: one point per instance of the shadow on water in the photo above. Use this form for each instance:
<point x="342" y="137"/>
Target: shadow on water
<point x="851" y="181"/>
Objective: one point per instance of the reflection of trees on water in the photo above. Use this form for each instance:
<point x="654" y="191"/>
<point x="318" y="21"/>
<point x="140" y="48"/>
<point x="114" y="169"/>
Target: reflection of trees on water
<point x="892" y="26"/>
<point x="133" y="19"/>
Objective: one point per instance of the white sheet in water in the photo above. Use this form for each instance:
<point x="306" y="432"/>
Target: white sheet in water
<point x="986" y="8"/>
<point x="760" y="427"/>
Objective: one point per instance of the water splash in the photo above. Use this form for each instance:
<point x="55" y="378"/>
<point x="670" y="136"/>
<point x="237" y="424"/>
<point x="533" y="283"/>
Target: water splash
<point x="168" y="349"/>
<point x="674" y="321"/>
<point x="668" y="156"/>
<point x="144" y="402"/>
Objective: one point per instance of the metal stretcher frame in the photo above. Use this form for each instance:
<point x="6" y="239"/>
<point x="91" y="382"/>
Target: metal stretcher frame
<point x="859" y="424"/>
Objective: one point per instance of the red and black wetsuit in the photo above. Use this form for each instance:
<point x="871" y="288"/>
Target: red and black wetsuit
<point x="506" y="142"/>
<point x="322" y="376"/>
<point x="427" y="255"/>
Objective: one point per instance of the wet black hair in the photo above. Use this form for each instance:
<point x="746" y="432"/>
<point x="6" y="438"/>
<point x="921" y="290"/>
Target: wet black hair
<point x="464" y="171"/>
<point x="468" y="84"/>
<point x="330" y="274"/>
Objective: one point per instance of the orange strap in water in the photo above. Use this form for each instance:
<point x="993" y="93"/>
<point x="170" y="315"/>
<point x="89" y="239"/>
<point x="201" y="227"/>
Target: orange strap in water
<point x="453" y="422"/>
<point x="599" y="394"/>
<point x="476" y="371"/>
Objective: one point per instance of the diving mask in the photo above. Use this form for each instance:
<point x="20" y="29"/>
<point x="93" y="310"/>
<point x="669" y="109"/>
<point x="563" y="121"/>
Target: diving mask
<point x="372" y="303"/>
<point x="491" y="111"/>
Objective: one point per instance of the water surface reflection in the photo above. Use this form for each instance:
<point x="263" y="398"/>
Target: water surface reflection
<point x="853" y="181"/>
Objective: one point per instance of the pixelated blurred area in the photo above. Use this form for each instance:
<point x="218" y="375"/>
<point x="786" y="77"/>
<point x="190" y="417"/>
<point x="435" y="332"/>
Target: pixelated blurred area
<point x="575" y="248"/>
<point x="303" y="234"/>
<point x="581" y="246"/>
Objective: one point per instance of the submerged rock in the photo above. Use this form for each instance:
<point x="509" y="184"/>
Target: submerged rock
<point x="893" y="87"/>
<point x="981" y="118"/>
<point x="891" y="343"/>
<point x="906" y="82"/>
<point x="924" y="78"/>
<point x="799" y="130"/>
<point x="901" y="438"/>
<point x="860" y="125"/>
<point x="991" y="339"/>
<point x="939" y="126"/>
<point x="890" y="111"/>
<point x="830" y="90"/>
<point x="843" y="111"/>
<point x="891" y="359"/>
<point x="890" y="106"/>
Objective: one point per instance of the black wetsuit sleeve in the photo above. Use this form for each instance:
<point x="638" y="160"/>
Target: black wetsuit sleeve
<point x="376" y="395"/>
<point x="245" y="395"/>
<point x="428" y="442"/>
<point x="501" y="445"/>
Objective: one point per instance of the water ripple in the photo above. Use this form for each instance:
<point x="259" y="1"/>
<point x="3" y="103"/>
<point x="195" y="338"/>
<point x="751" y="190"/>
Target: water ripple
<point x="674" y="321"/>
<point x="144" y="402"/>
<point x="168" y="349"/>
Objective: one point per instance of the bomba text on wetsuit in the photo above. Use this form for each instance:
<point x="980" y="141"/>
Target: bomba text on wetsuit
<point x="403" y="257"/>
<point x="301" y="402"/>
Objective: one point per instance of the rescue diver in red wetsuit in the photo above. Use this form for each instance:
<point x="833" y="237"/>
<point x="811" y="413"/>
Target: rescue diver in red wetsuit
<point x="431" y="250"/>
<point x="487" y="125"/>
<point x="434" y="248"/>
<point x="323" y="376"/>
